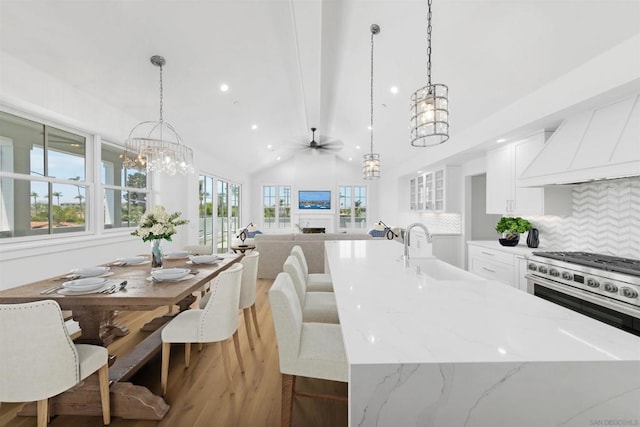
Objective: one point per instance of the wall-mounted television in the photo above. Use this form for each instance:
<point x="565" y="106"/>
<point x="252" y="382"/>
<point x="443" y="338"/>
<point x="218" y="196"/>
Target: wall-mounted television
<point x="314" y="199"/>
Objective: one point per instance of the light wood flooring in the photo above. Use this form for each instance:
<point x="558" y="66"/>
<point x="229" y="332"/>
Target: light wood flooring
<point x="199" y="395"/>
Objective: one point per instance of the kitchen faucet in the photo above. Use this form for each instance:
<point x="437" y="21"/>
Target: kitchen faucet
<point x="407" y="233"/>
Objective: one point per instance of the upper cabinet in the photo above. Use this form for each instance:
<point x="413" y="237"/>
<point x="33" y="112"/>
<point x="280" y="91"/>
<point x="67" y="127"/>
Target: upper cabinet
<point x="504" y="196"/>
<point x="436" y="191"/>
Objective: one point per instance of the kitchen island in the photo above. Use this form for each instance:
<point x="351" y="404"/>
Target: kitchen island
<point x="430" y="344"/>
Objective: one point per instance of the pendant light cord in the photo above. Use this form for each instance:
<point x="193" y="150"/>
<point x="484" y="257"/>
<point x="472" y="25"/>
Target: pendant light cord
<point x="429" y="45"/>
<point x="371" y="89"/>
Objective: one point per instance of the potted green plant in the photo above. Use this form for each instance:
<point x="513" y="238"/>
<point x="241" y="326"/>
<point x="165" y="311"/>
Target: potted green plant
<point x="510" y="228"/>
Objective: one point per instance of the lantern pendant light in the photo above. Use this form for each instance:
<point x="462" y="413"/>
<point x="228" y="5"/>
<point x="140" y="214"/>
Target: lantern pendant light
<point x="429" y="110"/>
<point x="371" y="161"/>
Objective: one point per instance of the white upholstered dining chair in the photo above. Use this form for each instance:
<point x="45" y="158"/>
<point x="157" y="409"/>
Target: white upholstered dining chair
<point x="248" y="293"/>
<point x="217" y="321"/>
<point x="313" y="350"/>
<point x="316" y="282"/>
<point x="38" y="359"/>
<point x="316" y="306"/>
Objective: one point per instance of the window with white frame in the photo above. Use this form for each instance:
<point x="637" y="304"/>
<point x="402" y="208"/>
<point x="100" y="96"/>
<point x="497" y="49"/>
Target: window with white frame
<point x="43" y="186"/>
<point x="218" y="222"/>
<point x="353" y="207"/>
<point x="276" y="206"/>
<point x="125" y="190"/>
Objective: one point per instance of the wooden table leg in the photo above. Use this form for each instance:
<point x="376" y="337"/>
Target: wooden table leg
<point x="127" y="401"/>
<point x="117" y="329"/>
<point x="93" y="324"/>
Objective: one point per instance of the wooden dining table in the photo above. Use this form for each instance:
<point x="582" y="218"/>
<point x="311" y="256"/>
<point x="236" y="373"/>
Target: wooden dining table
<point x="96" y="315"/>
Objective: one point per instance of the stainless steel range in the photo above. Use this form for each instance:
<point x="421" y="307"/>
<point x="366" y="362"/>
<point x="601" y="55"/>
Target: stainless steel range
<point x="603" y="287"/>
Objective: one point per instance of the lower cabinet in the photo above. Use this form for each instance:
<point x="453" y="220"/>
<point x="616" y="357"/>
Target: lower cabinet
<point x="502" y="266"/>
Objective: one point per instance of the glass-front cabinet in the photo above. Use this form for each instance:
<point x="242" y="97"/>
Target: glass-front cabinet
<point x="429" y="192"/>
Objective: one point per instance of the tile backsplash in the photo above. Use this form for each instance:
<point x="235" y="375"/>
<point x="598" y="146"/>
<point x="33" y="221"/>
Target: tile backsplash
<point x="605" y="220"/>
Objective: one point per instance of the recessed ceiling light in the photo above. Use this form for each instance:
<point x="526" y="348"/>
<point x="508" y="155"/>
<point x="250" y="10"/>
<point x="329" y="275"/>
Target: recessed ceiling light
<point x="278" y="158"/>
<point x="369" y="127"/>
<point x="350" y="158"/>
<point x="394" y="89"/>
<point x="419" y="171"/>
<point x="357" y="147"/>
<point x="501" y="140"/>
<point x="269" y="146"/>
<point x="254" y="127"/>
<point x="224" y="87"/>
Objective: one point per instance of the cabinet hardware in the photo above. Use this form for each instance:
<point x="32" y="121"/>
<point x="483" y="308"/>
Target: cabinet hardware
<point x="487" y="253"/>
<point x="488" y="269"/>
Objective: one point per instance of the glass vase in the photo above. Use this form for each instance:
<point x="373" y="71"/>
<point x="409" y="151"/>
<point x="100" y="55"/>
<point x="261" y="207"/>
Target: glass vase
<point x="156" y="254"/>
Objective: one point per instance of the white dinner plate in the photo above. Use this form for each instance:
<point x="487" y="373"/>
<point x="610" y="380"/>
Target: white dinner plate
<point x="204" y="259"/>
<point x="134" y="260"/>
<point x="187" y="277"/>
<point x="90" y="271"/>
<point x="100" y="288"/>
<point x="177" y="255"/>
<point x="86" y="284"/>
<point x="170" y="273"/>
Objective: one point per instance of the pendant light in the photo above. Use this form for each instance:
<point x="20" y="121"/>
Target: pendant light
<point x="371" y="161"/>
<point x="429" y="111"/>
<point x="155" y="145"/>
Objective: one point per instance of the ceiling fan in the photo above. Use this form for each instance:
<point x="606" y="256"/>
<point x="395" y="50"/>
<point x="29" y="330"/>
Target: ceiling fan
<point x="322" y="144"/>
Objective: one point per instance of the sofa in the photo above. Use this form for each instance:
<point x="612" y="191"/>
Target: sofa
<point x="275" y="248"/>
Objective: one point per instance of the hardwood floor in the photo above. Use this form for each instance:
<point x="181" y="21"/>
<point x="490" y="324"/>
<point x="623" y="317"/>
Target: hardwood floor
<point x="199" y="395"/>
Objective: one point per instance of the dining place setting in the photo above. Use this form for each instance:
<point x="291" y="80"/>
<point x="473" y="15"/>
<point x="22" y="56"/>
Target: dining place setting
<point x="84" y="281"/>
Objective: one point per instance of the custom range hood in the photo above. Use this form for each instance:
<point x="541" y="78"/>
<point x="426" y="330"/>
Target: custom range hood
<point x="603" y="143"/>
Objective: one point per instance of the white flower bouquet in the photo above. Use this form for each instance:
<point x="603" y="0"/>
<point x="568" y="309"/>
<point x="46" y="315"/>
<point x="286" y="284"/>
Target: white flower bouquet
<point x="158" y="224"/>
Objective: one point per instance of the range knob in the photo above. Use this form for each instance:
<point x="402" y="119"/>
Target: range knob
<point x="610" y="287"/>
<point x="553" y="272"/>
<point x="628" y="292"/>
<point x="567" y="276"/>
<point x="593" y="283"/>
<point x="542" y="269"/>
<point x="532" y="267"/>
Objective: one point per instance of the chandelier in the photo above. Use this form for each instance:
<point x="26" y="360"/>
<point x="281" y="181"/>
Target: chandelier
<point x="371" y="161"/>
<point x="429" y="111"/>
<point x="155" y="145"/>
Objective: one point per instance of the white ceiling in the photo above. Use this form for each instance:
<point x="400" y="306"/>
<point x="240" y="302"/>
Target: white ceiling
<point x="296" y="64"/>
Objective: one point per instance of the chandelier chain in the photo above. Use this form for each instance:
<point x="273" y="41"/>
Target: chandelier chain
<point x="429" y="45"/>
<point x="161" y="93"/>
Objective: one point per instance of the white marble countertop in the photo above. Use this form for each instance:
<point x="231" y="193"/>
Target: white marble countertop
<point x="389" y="314"/>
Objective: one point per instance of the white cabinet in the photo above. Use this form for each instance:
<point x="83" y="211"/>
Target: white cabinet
<point x="504" y="264"/>
<point x="505" y="196"/>
<point x="437" y="191"/>
<point x="491" y="264"/>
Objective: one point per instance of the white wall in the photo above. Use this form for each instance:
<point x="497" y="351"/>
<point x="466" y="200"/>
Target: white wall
<point x="312" y="171"/>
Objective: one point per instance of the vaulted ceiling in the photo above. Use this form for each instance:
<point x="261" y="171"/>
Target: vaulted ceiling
<point x="296" y="64"/>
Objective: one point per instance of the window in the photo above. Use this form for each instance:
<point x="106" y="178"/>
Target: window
<point x="227" y="212"/>
<point x="125" y="194"/>
<point x="276" y="206"/>
<point x="43" y="188"/>
<point x="353" y="207"/>
<point x="206" y="210"/>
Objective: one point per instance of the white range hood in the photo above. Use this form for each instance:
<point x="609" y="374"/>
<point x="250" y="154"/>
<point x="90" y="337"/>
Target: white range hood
<point x="603" y="143"/>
